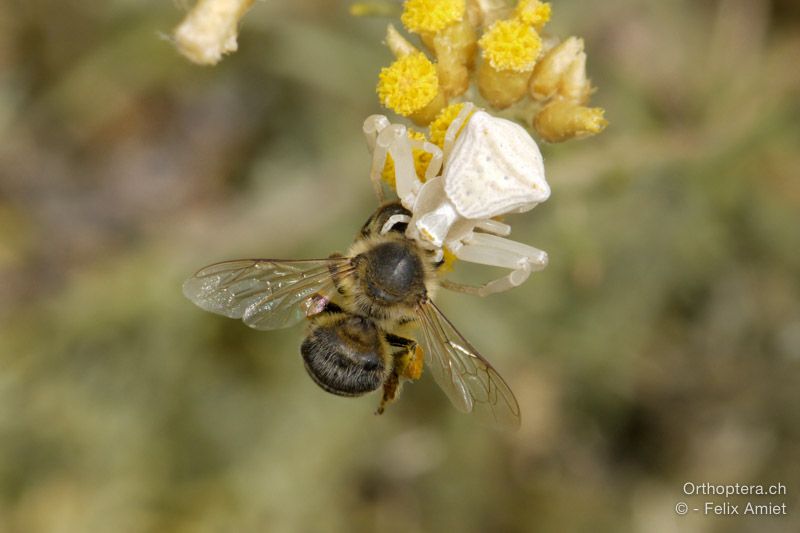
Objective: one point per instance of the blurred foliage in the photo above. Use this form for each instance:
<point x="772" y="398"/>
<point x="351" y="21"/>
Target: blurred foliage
<point x="661" y="345"/>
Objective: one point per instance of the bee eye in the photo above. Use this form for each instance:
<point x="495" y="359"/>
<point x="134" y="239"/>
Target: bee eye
<point x="345" y="355"/>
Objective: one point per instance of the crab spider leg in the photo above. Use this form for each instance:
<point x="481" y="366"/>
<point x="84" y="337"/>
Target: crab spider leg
<point x="455" y="126"/>
<point x="372" y="127"/>
<point x="495" y="227"/>
<point x="496" y="251"/>
<point x="435" y="164"/>
<point x="394" y="219"/>
<point x="393" y="140"/>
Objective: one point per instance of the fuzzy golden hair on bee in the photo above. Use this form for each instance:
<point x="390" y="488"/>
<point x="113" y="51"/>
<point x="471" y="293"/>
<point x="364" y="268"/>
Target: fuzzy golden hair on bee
<point x="391" y="277"/>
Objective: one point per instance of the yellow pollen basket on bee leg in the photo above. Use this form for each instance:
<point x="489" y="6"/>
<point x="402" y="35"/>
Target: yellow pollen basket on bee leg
<point x="413" y="364"/>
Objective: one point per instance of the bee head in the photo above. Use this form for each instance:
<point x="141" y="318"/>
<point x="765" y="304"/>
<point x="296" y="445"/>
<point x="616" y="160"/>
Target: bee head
<point x="375" y="223"/>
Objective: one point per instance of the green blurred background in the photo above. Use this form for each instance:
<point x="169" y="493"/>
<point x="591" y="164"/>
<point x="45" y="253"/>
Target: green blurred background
<point x="661" y="345"/>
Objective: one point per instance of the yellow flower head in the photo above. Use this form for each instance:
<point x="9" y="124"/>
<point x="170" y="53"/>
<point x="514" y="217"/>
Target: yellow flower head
<point x="431" y="16"/>
<point x="421" y="161"/>
<point x="408" y="84"/>
<point x="511" y="45"/>
<point x="533" y="12"/>
<point x="438" y="128"/>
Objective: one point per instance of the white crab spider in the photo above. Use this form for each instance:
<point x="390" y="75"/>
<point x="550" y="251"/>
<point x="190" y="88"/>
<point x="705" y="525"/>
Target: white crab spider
<point x="493" y="167"/>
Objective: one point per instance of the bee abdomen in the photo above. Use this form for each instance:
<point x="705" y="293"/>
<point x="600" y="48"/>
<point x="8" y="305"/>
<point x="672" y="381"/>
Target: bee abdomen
<point x="345" y="355"/>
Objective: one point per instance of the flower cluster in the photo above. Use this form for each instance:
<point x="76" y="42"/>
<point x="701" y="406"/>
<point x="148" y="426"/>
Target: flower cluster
<point x="498" y="58"/>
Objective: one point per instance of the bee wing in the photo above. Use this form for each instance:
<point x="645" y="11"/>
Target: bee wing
<point x="471" y="383"/>
<point x="264" y="293"/>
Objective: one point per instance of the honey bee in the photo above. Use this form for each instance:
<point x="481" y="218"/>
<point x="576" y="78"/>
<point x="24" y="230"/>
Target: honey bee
<point x="362" y="310"/>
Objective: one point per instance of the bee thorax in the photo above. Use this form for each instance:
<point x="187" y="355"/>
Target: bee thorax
<point x="394" y="274"/>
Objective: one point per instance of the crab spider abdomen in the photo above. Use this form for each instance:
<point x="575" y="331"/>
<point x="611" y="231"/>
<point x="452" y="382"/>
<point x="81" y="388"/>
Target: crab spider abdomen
<point x="495" y="167"/>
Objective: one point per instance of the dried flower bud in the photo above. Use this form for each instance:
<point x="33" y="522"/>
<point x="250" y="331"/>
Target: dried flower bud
<point x="455" y="48"/>
<point x="209" y="30"/>
<point x="501" y="88"/>
<point x="398" y="44"/>
<point x="548" y="74"/>
<point x="562" y="120"/>
<point x="490" y="11"/>
<point x="474" y="14"/>
<point x="533" y="12"/>
<point x="575" y="86"/>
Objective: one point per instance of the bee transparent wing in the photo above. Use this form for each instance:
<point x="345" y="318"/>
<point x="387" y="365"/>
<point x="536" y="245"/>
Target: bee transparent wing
<point x="471" y="383"/>
<point x="264" y="293"/>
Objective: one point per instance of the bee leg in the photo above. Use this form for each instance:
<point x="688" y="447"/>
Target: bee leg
<point x="390" y="389"/>
<point x="407" y="360"/>
<point x="407" y="365"/>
